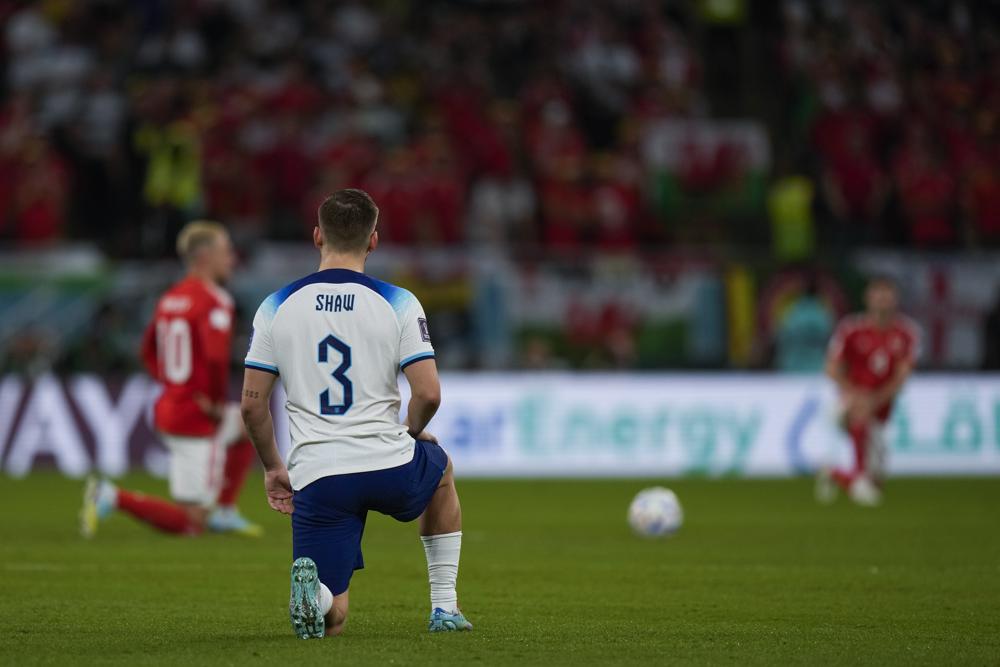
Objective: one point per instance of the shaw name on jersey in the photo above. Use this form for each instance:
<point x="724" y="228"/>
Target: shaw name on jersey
<point x="337" y="339"/>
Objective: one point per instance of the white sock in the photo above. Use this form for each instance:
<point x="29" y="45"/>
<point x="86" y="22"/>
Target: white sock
<point x="324" y="598"/>
<point x="442" y="553"/>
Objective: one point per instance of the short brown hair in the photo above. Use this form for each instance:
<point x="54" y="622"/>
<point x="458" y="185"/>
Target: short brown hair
<point x="347" y="219"/>
<point x="196" y="235"/>
<point x="882" y="280"/>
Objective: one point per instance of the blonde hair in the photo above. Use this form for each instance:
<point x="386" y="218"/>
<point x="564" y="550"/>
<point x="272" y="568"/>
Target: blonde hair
<point x="196" y="235"/>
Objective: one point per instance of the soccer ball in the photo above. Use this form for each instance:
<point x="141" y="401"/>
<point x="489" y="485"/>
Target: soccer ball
<point x="655" y="512"/>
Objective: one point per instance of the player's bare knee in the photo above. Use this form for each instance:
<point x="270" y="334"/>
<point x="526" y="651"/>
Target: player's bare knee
<point x="449" y="474"/>
<point x="335" y="629"/>
<point x="336" y="619"/>
<point x="857" y="418"/>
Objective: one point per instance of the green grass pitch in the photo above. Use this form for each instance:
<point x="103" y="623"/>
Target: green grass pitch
<point x="550" y="575"/>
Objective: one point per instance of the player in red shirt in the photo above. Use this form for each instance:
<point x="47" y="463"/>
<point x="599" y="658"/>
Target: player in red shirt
<point x="186" y="348"/>
<point x="870" y="357"/>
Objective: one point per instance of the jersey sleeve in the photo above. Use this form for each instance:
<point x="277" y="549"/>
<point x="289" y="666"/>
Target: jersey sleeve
<point x="913" y="337"/>
<point x="838" y="342"/>
<point x="261" y="356"/>
<point x="148" y="350"/>
<point x="215" y="327"/>
<point x="414" y="336"/>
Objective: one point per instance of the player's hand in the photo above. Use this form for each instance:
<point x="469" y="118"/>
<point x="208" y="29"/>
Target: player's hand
<point x="426" y="435"/>
<point x="212" y="410"/>
<point x="882" y="397"/>
<point x="861" y="405"/>
<point x="279" y="490"/>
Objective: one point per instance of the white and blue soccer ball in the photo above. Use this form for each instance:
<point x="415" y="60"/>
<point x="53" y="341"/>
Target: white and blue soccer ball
<point x="655" y="512"/>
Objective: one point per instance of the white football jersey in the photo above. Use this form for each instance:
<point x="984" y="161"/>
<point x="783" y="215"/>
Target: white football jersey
<point x="338" y="339"/>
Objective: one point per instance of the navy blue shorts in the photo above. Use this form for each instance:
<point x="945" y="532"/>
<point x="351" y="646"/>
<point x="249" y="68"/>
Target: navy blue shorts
<point x="330" y="513"/>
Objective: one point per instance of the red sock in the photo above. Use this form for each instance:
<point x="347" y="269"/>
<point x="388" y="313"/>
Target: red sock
<point x="843" y="478"/>
<point x="859" y="438"/>
<point x="239" y="458"/>
<point x="162" y="514"/>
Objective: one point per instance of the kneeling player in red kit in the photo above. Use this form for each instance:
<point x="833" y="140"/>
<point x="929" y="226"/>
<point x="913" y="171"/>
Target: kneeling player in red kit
<point x="870" y="357"/>
<point x="186" y="348"/>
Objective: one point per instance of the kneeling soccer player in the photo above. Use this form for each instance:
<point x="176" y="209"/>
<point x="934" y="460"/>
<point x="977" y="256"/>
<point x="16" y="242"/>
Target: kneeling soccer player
<point x="870" y="357"/>
<point x="186" y="349"/>
<point x="337" y="339"/>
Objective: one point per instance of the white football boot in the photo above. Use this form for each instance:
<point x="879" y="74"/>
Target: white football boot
<point x="826" y="488"/>
<point x="864" y="492"/>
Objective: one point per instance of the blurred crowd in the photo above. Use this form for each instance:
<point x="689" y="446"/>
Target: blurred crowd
<point x="794" y="129"/>
<point x="517" y="124"/>
<point x="899" y="107"/>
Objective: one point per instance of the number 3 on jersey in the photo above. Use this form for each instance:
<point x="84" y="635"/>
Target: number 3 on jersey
<point x="326" y="407"/>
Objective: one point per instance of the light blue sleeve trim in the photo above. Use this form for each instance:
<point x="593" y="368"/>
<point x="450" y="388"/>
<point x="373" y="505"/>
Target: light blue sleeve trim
<point x="256" y="365"/>
<point x="420" y="356"/>
<point x="269" y="307"/>
<point x="398" y="297"/>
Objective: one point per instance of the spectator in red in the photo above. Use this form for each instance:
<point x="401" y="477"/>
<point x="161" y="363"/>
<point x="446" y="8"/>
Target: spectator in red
<point x="615" y="203"/>
<point x="13" y="129"/>
<point x="439" y="175"/>
<point x="619" y="327"/>
<point x="927" y="192"/>
<point x="478" y="141"/>
<point x="352" y="154"/>
<point x="394" y="185"/>
<point x="840" y="127"/>
<point x="553" y="140"/>
<point x="855" y="188"/>
<point x="227" y="170"/>
<point x="40" y="192"/>
<point x="565" y="204"/>
<point x="502" y="209"/>
<point x="288" y="165"/>
<point x="981" y="198"/>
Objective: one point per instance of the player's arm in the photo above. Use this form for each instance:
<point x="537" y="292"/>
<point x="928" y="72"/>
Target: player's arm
<point x="836" y="363"/>
<point x="215" y="332"/>
<point x="903" y="367"/>
<point x="425" y="397"/>
<point x="148" y="350"/>
<point x="857" y="403"/>
<point x="255" y="406"/>
<point x="903" y="370"/>
<point x="836" y="370"/>
<point x="416" y="360"/>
